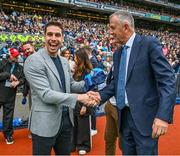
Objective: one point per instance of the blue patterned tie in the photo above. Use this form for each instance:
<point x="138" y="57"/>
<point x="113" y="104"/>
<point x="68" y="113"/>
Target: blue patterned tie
<point x="120" y="98"/>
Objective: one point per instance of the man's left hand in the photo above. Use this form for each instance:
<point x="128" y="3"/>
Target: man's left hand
<point x="159" y="128"/>
<point x="14" y="84"/>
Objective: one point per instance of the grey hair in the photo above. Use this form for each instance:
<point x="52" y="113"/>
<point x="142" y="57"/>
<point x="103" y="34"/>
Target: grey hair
<point x="124" y="16"/>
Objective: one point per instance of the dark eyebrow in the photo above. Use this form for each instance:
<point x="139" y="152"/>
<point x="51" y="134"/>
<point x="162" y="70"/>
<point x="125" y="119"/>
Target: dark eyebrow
<point x="57" y="34"/>
<point x="111" y="26"/>
<point x="49" y="33"/>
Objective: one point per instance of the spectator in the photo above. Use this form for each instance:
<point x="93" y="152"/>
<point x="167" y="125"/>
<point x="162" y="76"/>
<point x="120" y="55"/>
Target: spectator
<point x="82" y="136"/>
<point x="67" y="54"/>
<point x="11" y="76"/>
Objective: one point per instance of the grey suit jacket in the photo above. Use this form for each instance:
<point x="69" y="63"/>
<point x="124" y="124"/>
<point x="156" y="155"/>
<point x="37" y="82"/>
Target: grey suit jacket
<point x="47" y="95"/>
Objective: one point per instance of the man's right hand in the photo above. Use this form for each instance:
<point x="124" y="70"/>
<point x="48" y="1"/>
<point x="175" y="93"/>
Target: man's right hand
<point x="87" y="100"/>
<point x="94" y="96"/>
<point x="14" y="84"/>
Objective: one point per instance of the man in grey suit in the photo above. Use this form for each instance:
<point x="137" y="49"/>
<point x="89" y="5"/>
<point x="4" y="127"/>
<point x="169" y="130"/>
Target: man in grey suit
<point x="49" y="76"/>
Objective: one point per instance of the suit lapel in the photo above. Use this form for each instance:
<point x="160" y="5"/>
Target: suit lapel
<point x="117" y="57"/>
<point x="51" y="65"/>
<point x="66" y="75"/>
<point x="133" y="56"/>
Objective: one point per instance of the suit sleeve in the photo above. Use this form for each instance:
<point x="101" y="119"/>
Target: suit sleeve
<point x="3" y="74"/>
<point x="35" y="73"/>
<point x="107" y="92"/>
<point x="165" y="81"/>
<point x="22" y="76"/>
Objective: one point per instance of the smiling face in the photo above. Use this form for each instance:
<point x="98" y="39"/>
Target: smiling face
<point x="67" y="54"/>
<point x="28" y="49"/>
<point x="53" y="39"/>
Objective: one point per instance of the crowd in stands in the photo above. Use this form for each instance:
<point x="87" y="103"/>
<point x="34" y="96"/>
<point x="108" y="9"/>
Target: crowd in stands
<point x="79" y="32"/>
<point x="135" y="6"/>
<point x="170" y="43"/>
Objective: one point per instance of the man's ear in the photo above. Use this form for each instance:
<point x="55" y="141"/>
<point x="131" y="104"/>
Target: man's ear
<point x="126" y="26"/>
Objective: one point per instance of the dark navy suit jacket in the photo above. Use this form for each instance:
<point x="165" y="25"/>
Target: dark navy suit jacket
<point x="150" y="84"/>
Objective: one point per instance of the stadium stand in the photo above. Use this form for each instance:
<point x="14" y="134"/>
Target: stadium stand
<point x="85" y="22"/>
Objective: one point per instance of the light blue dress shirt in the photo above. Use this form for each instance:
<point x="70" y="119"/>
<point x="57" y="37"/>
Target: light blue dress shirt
<point x="129" y="43"/>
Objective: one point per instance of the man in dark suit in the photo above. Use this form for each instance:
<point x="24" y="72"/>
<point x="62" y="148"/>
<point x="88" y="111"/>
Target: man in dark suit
<point x="144" y="87"/>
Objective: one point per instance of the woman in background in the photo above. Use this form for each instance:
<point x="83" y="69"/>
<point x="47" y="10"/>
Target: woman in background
<point x="67" y="54"/>
<point x="82" y="136"/>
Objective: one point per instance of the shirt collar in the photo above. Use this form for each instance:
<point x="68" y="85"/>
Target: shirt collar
<point x="129" y="43"/>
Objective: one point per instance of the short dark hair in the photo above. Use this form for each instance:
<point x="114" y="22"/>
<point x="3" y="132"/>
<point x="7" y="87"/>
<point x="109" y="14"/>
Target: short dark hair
<point x="28" y="42"/>
<point x="53" y="23"/>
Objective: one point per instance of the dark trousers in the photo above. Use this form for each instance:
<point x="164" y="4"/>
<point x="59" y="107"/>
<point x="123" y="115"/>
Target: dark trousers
<point x="61" y="143"/>
<point x="81" y="134"/>
<point x="133" y="143"/>
<point x="8" y="113"/>
<point x="93" y="118"/>
<point x="30" y="100"/>
<point x="111" y="130"/>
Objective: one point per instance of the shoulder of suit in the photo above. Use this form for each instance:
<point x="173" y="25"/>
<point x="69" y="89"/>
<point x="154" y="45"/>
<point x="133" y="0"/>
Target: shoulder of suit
<point x="3" y="61"/>
<point x="63" y="59"/>
<point x="34" y="58"/>
<point x="36" y="54"/>
<point x="148" y="41"/>
<point x="148" y="38"/>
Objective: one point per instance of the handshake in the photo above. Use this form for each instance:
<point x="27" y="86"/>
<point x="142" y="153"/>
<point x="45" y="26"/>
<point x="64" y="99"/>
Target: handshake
<point x="91" y="98"/>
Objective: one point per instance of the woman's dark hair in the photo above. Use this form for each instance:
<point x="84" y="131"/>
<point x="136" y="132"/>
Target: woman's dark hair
<point x="64" y="52"/>
<point x="83" y="63"/>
